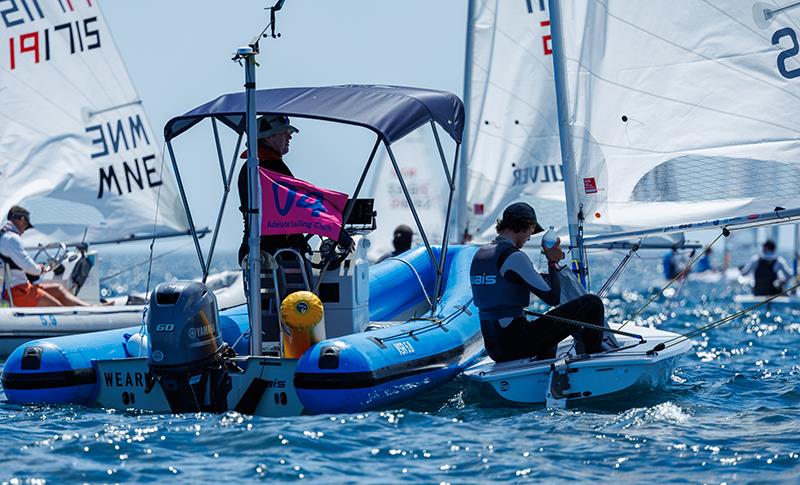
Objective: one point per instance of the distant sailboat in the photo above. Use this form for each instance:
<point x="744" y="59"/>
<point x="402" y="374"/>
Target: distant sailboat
<point x="77" y="150"/>
<point x="76" y="146"/>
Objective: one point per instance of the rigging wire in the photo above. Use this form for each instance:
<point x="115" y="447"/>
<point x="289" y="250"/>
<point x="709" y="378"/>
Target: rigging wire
<point x="155" y="222"/>
<point x="733" y="316"/>
<point x="619" y="269"/>
<point x="725" y="232"/>
<point x="142" y="263"/>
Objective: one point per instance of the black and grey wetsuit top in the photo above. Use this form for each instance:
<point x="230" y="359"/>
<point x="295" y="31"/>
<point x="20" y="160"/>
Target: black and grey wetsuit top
<point x="503" y="278"/>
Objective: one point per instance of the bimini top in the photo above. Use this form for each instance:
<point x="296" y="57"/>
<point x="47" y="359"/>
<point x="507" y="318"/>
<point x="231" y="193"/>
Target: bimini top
<point x="390" y="111"/>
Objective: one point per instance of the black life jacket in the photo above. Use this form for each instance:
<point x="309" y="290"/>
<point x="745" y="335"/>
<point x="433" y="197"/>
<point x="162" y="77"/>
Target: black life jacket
<point x="495" y="296"/>
<point x="765" y="276"/>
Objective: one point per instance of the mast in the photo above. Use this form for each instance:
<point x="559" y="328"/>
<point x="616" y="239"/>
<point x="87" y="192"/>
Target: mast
<point x="567" y="153"/>
<point x="463" y="180"/>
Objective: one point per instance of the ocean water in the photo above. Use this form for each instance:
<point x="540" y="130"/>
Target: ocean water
<point x="730" y="415"/>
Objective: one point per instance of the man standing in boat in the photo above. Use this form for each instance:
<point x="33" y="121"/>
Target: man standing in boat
<point x="503" y="277"/>
<point x="274" y="135"/>
<point x="769" y="270"/>
<point x="20" y="265"/>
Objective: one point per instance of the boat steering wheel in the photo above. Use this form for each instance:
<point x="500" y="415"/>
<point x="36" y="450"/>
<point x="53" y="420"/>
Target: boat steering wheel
<point x="332" y="254"/>
<point x="55" y="253"/>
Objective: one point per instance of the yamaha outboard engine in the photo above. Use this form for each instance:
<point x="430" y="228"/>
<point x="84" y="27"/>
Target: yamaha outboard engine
<point x="185" y="346"/>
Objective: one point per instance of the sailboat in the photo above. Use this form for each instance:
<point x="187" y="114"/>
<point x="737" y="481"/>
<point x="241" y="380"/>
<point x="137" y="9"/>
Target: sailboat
<point x="672" y="118"/>
<point x="78" y="151"/>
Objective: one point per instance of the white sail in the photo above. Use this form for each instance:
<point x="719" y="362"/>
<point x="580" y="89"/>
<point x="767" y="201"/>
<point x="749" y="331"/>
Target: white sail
<point x="512" y="149"/>
<point x="682" y="111"/>
<point x="421" y="166"/>
<point x="76" y="147"/>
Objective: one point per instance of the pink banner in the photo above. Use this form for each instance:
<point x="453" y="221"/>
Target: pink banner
<point x="293" y="206"/>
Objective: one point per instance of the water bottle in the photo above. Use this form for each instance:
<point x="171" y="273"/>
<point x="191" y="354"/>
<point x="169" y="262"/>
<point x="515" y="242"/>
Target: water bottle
<point x="549" y="239"/>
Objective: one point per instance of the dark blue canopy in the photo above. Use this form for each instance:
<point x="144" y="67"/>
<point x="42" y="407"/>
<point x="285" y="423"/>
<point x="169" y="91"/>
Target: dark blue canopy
<point x="390" y="111"/>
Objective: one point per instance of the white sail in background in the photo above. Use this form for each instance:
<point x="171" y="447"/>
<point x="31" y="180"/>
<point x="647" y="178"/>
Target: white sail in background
<point x="682" y="111"/>
<point x="76" y="147"/>
<point x="421" y="166"/>
<point x="512" y="149"/>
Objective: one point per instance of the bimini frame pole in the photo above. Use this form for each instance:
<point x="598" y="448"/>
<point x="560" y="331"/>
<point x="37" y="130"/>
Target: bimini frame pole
<point x="451" y="184"/>
<point x="186" y="206"/>
<point x="253" y="274"/>
<point x="226" y="184"/>
<point x="565" y="137"/>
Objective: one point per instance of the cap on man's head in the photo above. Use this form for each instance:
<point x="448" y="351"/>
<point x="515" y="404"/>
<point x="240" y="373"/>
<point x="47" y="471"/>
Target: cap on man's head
<point x="522" y="211"/>
<point x="269" y="125"/>
<point x="17" y="212"/>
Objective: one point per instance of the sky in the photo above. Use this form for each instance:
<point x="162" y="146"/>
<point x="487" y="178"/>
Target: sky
<point x="178" y="53"/>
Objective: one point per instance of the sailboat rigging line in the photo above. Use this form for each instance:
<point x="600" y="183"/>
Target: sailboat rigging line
<point x="619" y="269"/>
<point x="155" y="224"/>
<point x="677" y="277"/>
<point x="421" y="284"/>
<point x="733" y="316"/>
<point x="136" y="265"/>
<point x="582" y="324"/>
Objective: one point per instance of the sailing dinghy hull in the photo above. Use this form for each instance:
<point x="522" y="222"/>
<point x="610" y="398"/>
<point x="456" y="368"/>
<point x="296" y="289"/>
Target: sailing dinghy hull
<point x="623" y="372"/>
<point x="20" y="325"/>
<point x="373" y="369"/>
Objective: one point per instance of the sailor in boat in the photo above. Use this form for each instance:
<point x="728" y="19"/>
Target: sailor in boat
<point x="674" y="263"/>
<point x="704" y="263"/>
<point x="770" y="271"/>
<point x="401" y="240"/>
<point x="503" y="277"/>
<point x="21" y="268"/>
<point x="274" y="135"/>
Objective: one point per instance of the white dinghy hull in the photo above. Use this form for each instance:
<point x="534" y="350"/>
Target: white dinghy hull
<point x="19" y="325"/>
<point x="622" y="372"/>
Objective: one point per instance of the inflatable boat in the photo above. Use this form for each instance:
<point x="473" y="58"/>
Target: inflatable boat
<point x="400" y="353"/>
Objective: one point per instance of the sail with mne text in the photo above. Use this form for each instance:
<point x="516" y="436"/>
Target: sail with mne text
<point x="682" y="112"/>
<point x="76" y="147"/>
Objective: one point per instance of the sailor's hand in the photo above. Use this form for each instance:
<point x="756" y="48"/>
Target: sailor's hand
<point x="554" y="254"/>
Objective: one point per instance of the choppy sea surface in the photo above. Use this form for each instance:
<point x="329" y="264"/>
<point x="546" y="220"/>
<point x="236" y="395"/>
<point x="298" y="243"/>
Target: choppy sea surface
<point x="730" y="415"/>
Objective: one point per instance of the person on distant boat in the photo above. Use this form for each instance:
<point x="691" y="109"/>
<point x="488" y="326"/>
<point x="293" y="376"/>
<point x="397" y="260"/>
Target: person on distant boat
<point x="13" y="254"/>
<point x="704" y="263"/>
<point x="503" y="278"/>
<point x="274" y="135"/>
<point x="401" y="242"/>
<point x="674" y="262"/>
<point x="769" y="270"/>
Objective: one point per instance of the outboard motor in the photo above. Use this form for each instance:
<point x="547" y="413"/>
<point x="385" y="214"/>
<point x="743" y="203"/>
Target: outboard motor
<point x="186" y="347"/>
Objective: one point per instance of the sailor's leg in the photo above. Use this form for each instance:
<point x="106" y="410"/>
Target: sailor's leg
<point x="44" y="298"/>
<point x="62" y="295"/>
<point x="587" y="308"/>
